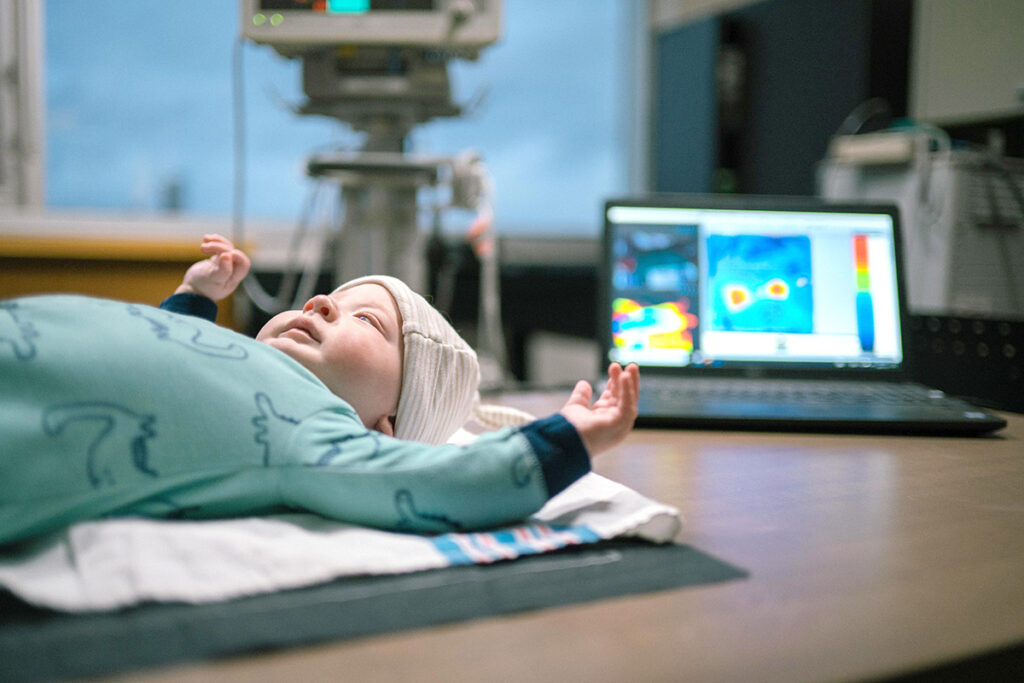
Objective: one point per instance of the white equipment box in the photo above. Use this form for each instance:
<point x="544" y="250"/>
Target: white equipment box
<point x="962" y="214"/>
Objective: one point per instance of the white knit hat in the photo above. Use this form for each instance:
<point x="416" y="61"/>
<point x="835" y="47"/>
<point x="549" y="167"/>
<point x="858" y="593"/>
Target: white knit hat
<point x="440" y="372"/>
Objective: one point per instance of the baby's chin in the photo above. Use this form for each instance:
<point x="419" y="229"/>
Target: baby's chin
<point x="302" y="354"/>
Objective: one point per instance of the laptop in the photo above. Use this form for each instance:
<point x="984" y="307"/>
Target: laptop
<point x="770" y="313"/>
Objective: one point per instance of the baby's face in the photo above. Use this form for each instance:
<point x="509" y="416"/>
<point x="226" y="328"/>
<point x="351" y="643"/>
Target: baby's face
<point x="352" y="341"/>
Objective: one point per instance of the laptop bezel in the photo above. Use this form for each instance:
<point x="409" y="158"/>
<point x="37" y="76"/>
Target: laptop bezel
<point x="903" y="372"/>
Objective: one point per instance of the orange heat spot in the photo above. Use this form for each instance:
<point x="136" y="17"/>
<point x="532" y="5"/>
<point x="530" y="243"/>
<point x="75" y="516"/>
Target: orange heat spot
<point x="775" y="288"/>
<point x="737" y="297"/>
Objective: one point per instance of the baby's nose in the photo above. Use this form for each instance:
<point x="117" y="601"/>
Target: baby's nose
<point x="322" y="305"/>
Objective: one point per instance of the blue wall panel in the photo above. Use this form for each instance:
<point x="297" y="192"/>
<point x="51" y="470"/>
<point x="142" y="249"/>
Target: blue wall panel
<point x="684" y="141"/>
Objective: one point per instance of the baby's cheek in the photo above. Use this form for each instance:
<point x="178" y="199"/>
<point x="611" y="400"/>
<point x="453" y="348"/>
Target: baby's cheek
<point x="377" y="370"/>
<point x="271" y="327"/>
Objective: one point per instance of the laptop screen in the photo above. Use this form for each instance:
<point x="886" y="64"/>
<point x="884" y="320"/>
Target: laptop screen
<point x="719" y="282"/>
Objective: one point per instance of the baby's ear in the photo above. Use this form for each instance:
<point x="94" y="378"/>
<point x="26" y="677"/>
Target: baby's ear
<point x="386" y="425"/>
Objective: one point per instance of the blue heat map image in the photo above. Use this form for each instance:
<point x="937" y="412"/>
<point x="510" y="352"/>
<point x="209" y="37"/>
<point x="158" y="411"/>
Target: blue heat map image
<point x="760" y="284"/>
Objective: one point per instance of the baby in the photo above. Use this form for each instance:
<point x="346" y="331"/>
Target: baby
<point x="386" y="351"/>
<point x="342" y="408"/>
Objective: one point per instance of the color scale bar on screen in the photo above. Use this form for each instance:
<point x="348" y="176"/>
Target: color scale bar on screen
<point x="865" y="307"/>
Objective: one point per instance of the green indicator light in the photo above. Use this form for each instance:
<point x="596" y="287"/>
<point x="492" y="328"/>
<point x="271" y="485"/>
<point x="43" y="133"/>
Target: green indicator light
<point x="276" y="19"/>
<point x="259" y="19"/>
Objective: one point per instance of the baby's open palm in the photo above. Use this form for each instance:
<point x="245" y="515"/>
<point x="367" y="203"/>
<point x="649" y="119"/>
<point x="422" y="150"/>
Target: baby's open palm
<point x="218" y="276"/>
<point x="607" y="422"/>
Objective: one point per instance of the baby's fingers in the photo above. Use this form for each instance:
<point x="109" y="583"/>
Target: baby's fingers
<point x="216" y="244"/>
<point x="630" y="382"/>
<point x="581" y="394"/>
<point x="613" y="389"/>
<point x="240" y="261"/>
<point x="614" y="373"/>
<point x="238" y="266"/>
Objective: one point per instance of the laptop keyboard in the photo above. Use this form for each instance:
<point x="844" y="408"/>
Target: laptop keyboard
<point x="792" y="392"/>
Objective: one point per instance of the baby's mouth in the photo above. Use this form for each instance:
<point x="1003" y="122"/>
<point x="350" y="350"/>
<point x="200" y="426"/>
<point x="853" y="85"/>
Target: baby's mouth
<point x="303" y="328"/>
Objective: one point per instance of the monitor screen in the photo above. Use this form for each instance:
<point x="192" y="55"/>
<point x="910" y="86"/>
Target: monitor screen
<point x="691" y="287"/>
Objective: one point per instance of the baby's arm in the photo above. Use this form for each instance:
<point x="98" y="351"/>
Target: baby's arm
<point x="359" y="476"/>
<point x="218" y="276"/>
<point x="610" y="419"/>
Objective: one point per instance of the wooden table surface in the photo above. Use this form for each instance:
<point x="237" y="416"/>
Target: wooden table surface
<point x="868" y="556"/>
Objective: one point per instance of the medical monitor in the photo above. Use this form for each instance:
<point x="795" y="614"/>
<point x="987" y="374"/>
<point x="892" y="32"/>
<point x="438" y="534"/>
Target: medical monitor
<point x="294" y="27"/>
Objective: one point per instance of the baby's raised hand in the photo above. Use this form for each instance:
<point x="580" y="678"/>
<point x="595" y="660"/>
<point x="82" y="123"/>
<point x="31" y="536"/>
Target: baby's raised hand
<point x="218" y="276"/>
<point x="609" y="420"/>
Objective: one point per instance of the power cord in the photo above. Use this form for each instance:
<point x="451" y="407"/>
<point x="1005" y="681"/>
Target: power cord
<point x="294" y="290"/>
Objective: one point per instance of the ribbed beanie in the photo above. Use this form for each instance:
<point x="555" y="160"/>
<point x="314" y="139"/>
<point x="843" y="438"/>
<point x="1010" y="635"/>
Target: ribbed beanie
<point x="440" y="372"/>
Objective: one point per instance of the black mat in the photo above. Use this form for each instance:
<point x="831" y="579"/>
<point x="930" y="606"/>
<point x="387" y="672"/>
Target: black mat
<point x="38" y="644"/>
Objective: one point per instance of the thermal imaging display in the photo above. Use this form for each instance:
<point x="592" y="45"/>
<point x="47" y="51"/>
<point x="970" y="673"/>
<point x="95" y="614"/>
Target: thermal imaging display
<point x="706" y="287"/>
<point x="760" y="283"/>
<point x="654" y="274"/>
<point x="665" y="326"/>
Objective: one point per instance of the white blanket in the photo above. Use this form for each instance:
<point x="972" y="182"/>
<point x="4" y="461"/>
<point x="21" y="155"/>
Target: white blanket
<point x="115" y="563"/>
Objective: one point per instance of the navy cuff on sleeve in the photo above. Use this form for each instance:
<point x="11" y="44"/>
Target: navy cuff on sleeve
<point x="560" y="450"/>
<point x="191" y="304"/>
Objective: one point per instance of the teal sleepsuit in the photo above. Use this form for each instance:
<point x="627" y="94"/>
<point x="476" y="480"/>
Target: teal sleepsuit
<point x="115" y="409"/>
